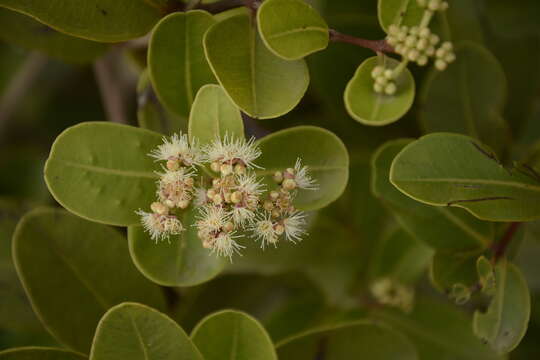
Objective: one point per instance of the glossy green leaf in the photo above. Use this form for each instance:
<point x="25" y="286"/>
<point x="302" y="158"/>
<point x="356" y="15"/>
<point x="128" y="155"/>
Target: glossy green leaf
<point x="444" y="229"/>
<point x="505" y="322"/>
<point x="291" y="29"/>
<point x="232" y="335"/>
<point x="39" y="353"/>
<point x="213" y="114"/>
<point x="258" y="82"/>
<point x="73" y="271"/>
<point x="137" y="332"/>
<point x="24" y="31"/>
<point x="437" y="330"/>
<point x="181" y="261"/>
<point x="400" y="257"/>
<point x="319" y="149"/>
<point x="176" y="59"/>
<point x="102" y="172"/>
<point x="371" y="108"/>
<point x="468" y="97"/>
<point x="100" y="20"/>
<point x="399" y="12"/>
<point x="449" y="269"/>
<point x="454" y="170"/>
<point x="358" y="340"/>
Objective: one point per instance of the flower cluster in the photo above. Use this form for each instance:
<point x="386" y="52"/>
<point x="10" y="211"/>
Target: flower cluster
<point x="415" y="44"/>
<point x="389" y="292"/>
<point x="231" y="202"/>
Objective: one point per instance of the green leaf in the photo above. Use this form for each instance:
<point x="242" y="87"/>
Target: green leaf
<point x="291" y="29"/>
<point x="371" y="108"/>
<point x="25" y="31"/>
<point x="444" y="229"/>
<point x="176" y="59"/>
<point x="506" y="320"/>
<point x="182" y="261"/>
<point x="232" y="335"/>
<point x="319" y="149"/>
<point x="454" y="170"/>
<point x="213" y="114"/>
<point x="400" y="257"/>
<point x="399" y="12"/>
<point x="62" y="261"/>
<point x="468" y="97"/>
<point x="101" y="171"/>
<point x="137" y="332"/>
<point x="449" y="269"/>
<point x="99" y="20"/>
<point x="258" y="82"/>
<point x="39" y="353"/>
<point x="437" y="329"/>
<point x="357" y="340"/>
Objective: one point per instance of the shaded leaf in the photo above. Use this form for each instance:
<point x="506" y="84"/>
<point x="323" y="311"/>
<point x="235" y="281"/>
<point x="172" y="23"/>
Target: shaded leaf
<point x="39" y="353"/>
<point x="258" y="82"/>
<point x="449" y="269"/>
<point x="399" y="12"/>
<point x="62" y="262"/>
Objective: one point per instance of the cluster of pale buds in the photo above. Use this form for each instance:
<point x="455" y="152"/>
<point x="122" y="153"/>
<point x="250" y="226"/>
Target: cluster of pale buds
<point x="416" y="44"/>
<point x="383" y="80"/>
<point x="433" y="5"/>
<point x="444" y="56"/>
<point x="392" y="293"/>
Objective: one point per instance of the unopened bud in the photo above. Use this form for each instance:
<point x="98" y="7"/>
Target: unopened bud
<point x="274" y="195"/>
<point x="215" y="166"/>
<point x="239" y="169"/>
<point x="207" y="244"/>
<point x="226" y="169"/>
<point x="173" y="165"/>
<point x="268" y="205"/>
<point x="289" y="184"/>
<point x="189" y="182"/>
<point x="450" y="58"/>
<point x="211" y="193"/>
<point x="279" y="229"/>
<point x="159" y="208"/>
<point x="236" y="197"/>
<point x="440" y="65"/>
<point x="377" y="71"/>
<point x="276" y="213"/>
<point x="390" y="89"/>
<point x="378" y="88"/>
<point x="169" y="203"/>
<point x="217" y="199"/>
<point x="183" y="204"/>
<point x="228" y="227"/>
<point x="216" y="182"/>
<point x="227" y="197"/>
<point x="278" y="177"/>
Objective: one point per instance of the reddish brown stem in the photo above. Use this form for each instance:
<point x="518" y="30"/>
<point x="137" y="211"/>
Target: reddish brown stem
<point x="500" y="247"/>
<point x="379" y="46"/>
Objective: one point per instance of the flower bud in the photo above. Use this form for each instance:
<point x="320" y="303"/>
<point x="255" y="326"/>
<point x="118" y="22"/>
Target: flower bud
<point x="228" y="227"/>
<point x="289" y="184"/>
<point x="274" y="195"/>
<point x="389" y="74"/>
<point x="440" y="65"/>
<point x="215" y="166"/>
<point x="239" y="169"/>
<point x="159" y="208"/>
<point x="173" y="165"/>
<point x="183" y="204"/>
<point x="422" y="60"/>
<point x="268" y="205"/>
<point x="378" y="88"/>
<point x="279" y="229"/>
<point x="236" y="197"/>
<point x="211" y="193"/>
<point x="226" y="169"/>
<point x="377" y="70"/>
<point x="278" y="177"/>
<point x="390" y="89"/>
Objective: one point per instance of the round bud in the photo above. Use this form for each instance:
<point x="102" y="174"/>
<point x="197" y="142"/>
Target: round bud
<point x="440" y="65"/>
<point x="216" y="182"/>
<point x="430" y="51"/>
<point x="422" y="60"/>
<point x="236" y="197"/>
<point x="414" y="30"/>
<point x="413" y="54"/>
<point x="268" y="206"/>
<point x="434" y="39"/>
<point x="447" y="45"/>
<point x="215" y="166"/>
<point x="434" y="5"/>
<point x="275" y="213"/>
<point x="440" y="53"/>
<point x="228" y="227"/>
<point x="393" y="29"/>
<point x="422" y="44"/>
<point x="410" y="41"/>
<point x="207" y="244"/>
<point x="378" y="88"/>
<point x="189" y="182"/>
<point x="217" y="199"/>
<point x="183" y="204"/>
<point x="226" y="169"/>
<point x="291" y="171"/>
<point x="399" y="48"/>
<point x="227" y="197"/>
<point x="444" y="6"/>
<point x="169" y="203"/>
<point x="421" y="3"/>
<point x="173" y="165"/>
<point x="392" y="40"/>
<point x="424" y="32"/>
<point x="390" y="89"/>
<point x="279" y="229"/>
<point x="239" y="169"/>
<point x="211" y="193"/>
<point x="289" y="184"/>
<point x="381" y="80"/>
<point x="278" y="177"/>
<point x="389" y="74"/>
<point x="274" y="195"/>
<point x="401" y="36"/>
<point x="159" y="208"/>
<point x="449" y="58"/>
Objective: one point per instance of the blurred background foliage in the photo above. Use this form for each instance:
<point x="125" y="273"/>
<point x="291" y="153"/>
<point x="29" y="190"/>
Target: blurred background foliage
<point x="48" y="82"/>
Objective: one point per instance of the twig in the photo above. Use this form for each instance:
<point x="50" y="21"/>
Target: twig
<point x="19" y="85"/>
<point x="220" y="6"/>
<point x="379" y="46"/>
<point x="111" y="94"/>
<point x="499" y="248"/>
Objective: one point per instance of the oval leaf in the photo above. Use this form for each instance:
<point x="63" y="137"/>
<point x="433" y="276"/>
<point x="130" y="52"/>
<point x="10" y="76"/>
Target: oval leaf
<point x="506" y="320"/>
<point x="319" y="149"/>
<point x="101" y="171"/>
<point x="441" y="228"/>
<point x="62" y="261"/>
<point x="176" y="59"/>
<point x="100" y="20"/>
<point x="213" y="114"/>
<point x="39" y="353"/>
<point x="291" y="29"/>
<point x="455" y="170"/>
<point x="371" y="108"/>
<point x="232" y="335"/>
<point x="399" y="12"/>
<point x="180" y="262"/>
<point x="25" y="31"/>
<point x="360" y="340"/>
<point x="260" y="83"/>
<point x="468" y="97"/>
<point x="137" y="332"/>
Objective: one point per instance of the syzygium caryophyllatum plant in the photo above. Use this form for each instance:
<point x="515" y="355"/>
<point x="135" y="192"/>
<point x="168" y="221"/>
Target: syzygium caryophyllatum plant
<point x="231" y="202"/>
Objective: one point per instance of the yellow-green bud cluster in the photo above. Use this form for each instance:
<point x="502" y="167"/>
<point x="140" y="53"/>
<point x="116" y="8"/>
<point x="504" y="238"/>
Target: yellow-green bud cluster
<point x="444" y="56"/>
<point x="415" y="44"/>
<point x="384" y="80"/>
<point x="433" y="5"/>
<point x="392" y="293"/>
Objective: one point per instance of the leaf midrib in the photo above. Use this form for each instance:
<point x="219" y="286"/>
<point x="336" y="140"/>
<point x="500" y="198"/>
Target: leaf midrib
<point x="464" y="226"/>
<point x="511" y="184"/>
<point x="298" y="30"/>
<point x="108" y="171"/>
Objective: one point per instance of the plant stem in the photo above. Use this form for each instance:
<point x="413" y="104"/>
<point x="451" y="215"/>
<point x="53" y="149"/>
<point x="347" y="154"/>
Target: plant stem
<point x="500" y="247"/>
<point x="379" y="46"/>
<point x="220" y="6"/>
<point x="111" y="94"/>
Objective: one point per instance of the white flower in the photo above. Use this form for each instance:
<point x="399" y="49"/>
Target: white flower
<point x="175" y="188"/>
<point x="200" y="197"/>
<point x="225" y="245"/>
<point x="263" y="229"/>
<point x="302" y="177"/>
<point x="160" y="227"/>
<point x="179" y="149"/>
<point x="249" y="186"/>
<point x="232" y="151"/>
<point x="242" y="215"/>
<point x="295" y="226"/>
<point x="211" y="221"/>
